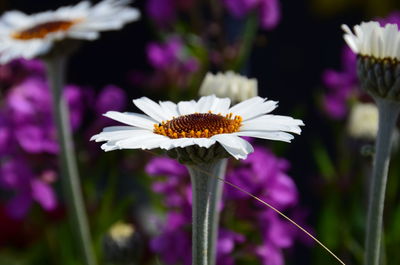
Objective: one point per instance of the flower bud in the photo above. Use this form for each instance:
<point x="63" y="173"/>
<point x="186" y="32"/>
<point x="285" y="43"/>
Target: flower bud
<point x="229" y="84"/>
<point x="121" y="244"/>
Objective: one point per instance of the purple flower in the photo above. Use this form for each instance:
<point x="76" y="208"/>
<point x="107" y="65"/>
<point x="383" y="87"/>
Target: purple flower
<point x="270" y="14"/>
<point x="18" y="176"/>
<point x="173" y="65"/>
<point x="163" y="12"/>
<point x="170" y="56"/>
<point x="161" y="56"/>
<point x="342" y="85"/>
<point x="75" y="98"/>
<point x="393" y="18"/>
<point x="270" y="254"/>
<point x="29" y="110"/>
<point x="262" y="174"/>
<point x="240" y="8"/>
<point x="28" y="99"/>
<point x="110" y="98"/>
<point x="26" y="128"/>
<point x="6" y="139"/>
<point x="227" y="240"/>
<point x="174" y="187"/>
<point x="173" y="245"/>
<point x="263" y="167"/>
<point x="160" y="166"/>
<point x="19" y="69"/>
<point x="269" y="10"/>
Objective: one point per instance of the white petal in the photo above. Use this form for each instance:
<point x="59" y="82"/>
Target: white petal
<point x="205" y="103"/>
<point x="187" y="107"/>
<point x="16" y="19"/>
<point x="117" y="133"/>
<point x="134" y="119"/>
<point x="269" y="135"/>
<point x="151" y="108"/>
<point x="258" y="109"/>
<point x="346" y="29"/>
<point x="146" y="141"/>
<point x="204" y="142"/>
<point x="169" y="108"/>
<point x="272" y="123"/>
<point x="246" y="105"/>
<point x="220" y="105"/>
<point x="371" y="39"/>
<point x="351" y="42"/>
<point x="234" y="145"/>
<point x="109" y="146"/>
<point x="173" y="143"/>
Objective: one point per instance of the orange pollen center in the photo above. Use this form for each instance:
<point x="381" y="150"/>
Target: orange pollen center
<point x="198" y="125"/>
<point x="41" y="30"/>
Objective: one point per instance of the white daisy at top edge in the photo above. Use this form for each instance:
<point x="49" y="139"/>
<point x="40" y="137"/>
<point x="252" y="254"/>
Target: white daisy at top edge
<point x="138" y="130"/>
<point x="371" y="39"/>
<point x="85" y="22"/>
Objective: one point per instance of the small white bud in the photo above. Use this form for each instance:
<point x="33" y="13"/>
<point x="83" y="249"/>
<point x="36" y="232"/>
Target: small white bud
<point x="229" y="84"/>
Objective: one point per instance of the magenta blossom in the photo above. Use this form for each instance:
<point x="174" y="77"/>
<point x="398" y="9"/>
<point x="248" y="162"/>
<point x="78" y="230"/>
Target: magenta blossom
<point x="110" y="98"/>
<point x="28" y="143"/>
<point x="342" y="85"/>
<point x="19" y="69"/>
<point x="164" y="12"/>
<point x="18" y="176"/>
<point x="171" y="54"/>
<point x="29" y="111"/>
<point x="173" y="64"/>
<point x="269" y="10"/>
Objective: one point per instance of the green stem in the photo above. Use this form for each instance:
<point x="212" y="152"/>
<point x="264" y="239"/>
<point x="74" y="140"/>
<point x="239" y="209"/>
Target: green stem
<point x="249" y="34"/>
<point x="69" y="177"/>
<point x="207" y="193"/>
<point x="388" y="113"/>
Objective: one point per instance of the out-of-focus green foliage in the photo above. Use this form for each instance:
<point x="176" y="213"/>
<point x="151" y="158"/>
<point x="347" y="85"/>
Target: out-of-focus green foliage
<point x="371" y="8"/>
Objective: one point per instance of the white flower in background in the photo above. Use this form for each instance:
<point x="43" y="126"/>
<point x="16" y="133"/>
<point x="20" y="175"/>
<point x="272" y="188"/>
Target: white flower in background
<point x="28" y="36"/>
<point x="209" y="120"/>
<point x="121" y="232"/>
<point x="370" y="39"/>
<point x="229" y="84"/>
<point x="363" y="121"/>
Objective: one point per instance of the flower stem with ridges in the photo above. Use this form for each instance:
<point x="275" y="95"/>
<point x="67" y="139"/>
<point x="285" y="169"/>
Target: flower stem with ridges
<point x="69" y="172"/>
<point x="388" y="114"/>
<point x="207" y="193"/>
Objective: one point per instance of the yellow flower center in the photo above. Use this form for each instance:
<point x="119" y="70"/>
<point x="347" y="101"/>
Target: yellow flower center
<point x="198" y="125"/>
<point x="40" y="31"/>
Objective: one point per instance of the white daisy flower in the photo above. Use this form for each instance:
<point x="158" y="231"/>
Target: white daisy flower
<point x="370" y="39"/>
<point x="28" y="36"/>
<point x="167" y="125"/>
<point x="229" y="84"/>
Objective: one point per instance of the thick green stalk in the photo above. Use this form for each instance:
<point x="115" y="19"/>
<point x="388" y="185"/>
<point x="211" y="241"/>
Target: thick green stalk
<point x="388" y="114"/>
<point x="69" y="176"/>
<point x="207" y="192"/>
